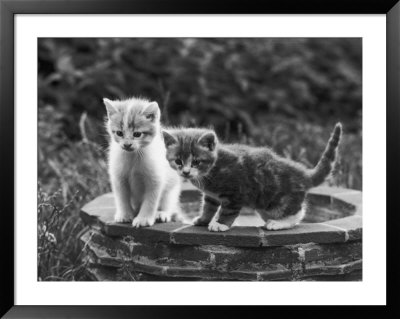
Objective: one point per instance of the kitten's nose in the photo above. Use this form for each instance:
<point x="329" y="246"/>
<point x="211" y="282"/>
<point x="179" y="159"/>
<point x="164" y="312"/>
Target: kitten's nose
<point x="127" y="146"/>
<point x="186" y="172"/>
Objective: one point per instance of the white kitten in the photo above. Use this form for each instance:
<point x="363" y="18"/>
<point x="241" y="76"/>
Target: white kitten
<point x="141" y="178"/>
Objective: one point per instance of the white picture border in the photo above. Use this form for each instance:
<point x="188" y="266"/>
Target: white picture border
<point x="371" y="290"/>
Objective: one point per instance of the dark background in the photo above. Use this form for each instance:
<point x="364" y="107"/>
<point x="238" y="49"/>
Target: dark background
<point x="282" y="93"/>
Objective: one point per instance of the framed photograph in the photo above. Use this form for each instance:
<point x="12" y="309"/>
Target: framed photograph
<point x="167" y="153"/>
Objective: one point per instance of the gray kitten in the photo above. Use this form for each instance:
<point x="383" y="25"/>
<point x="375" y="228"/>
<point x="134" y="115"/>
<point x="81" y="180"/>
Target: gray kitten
<point x="233" y="176"/>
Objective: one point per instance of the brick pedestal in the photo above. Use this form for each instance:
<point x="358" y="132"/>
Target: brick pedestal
<point x="326" y="246"/>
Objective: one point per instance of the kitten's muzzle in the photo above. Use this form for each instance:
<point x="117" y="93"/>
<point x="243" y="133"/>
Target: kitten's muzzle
<point x="127" y="147"/>
<point x="186" y="173"/>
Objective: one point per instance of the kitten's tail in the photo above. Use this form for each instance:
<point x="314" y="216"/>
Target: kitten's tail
<point x="325" y="164"/>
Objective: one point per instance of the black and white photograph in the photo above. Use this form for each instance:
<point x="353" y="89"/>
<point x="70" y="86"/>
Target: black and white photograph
<point x="200" y="159"/>
<point x="195" y="159"/>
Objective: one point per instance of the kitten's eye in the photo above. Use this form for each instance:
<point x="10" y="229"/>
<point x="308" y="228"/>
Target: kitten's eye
<point x="119" y="133"/>
<point x="137" y="134"/>
<point x="195" y="163"/>
<point x="178" y="162"/>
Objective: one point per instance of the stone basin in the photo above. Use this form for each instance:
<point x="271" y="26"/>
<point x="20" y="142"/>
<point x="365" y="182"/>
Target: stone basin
<point x="325" y="246"/>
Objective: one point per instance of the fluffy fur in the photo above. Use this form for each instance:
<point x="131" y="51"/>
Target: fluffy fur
<point x="144" y="185"/>
<point x="235" y="176"/>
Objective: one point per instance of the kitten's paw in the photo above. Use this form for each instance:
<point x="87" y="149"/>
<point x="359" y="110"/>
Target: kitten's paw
<point x="122" y="219"/>
<point x="164" y="217"/>
<point x="277" y="225"/>
<point x="198" y="221"/>
<point x="215" y="226"/>
<point x="143" y="221"/>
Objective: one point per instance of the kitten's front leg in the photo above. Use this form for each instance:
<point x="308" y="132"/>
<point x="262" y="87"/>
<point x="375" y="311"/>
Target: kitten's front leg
<point x="148" y="210"/>
<point x="227" y="215"/>
<point x="210" y="207"/>
<point x="124" y="212"/>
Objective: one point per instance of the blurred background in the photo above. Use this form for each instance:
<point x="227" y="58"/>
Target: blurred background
<point x="285" y="93"/>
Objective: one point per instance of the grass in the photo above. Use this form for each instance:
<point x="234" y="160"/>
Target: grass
<point x="73" y="172"/>
<point x="70" y="174"/>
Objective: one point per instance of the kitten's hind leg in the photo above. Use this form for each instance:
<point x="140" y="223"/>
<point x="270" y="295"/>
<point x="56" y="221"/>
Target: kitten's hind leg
<point x="285" y="216"/>
<point x="148" y="210"/>
<point x="285" y="223"/>
<point x="169" y="205"/>
<point x="135" y="204"/>
<point x="209" y="208"/>
<point x="227" y="215"/>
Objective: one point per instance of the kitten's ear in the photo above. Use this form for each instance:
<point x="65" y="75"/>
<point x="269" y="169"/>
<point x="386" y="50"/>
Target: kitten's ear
<point x="168" y="138"/>
<point x="109" y="107"/>
<point x="152" y="111"/>
<point x="209" y="140"/>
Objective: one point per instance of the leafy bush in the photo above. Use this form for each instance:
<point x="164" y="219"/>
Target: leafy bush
<point x="205" y="81"/>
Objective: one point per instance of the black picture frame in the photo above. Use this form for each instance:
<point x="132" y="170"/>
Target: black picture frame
<point x="8" y="10"/>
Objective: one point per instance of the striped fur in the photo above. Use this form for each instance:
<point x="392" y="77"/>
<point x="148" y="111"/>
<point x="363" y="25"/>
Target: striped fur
<point x="233" y="176"/>
<point x="325" y="164"/>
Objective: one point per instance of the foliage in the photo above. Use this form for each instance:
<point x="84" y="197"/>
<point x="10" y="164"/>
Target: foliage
<point x="215" y="82"/>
